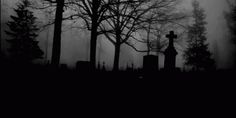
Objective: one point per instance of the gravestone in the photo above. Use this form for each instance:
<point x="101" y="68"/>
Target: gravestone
<point x="150" y="63"/>
<point x="103" y="67"/>
<point x="98" y="67"/>
<point x="83" y="66"/>
<point x="170" y="53"/>
<point x="130" y="68"/>
<point x="64" y="67"/>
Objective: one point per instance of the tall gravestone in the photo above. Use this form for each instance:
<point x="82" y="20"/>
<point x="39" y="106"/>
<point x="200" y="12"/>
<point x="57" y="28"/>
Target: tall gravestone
<point x="170" y="53"/>
<point x="150" y="63"/>
<point x="83" y="66"/>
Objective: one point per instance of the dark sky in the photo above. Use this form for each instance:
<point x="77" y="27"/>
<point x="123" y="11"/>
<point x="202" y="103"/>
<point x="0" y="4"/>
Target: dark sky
<point x="75" y="42"/>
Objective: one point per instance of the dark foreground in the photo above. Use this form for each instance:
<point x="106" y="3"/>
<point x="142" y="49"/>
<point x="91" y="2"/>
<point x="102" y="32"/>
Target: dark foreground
<point x="42" y="75"/>
<point x="37" y="79"/>
<point x="40" y="89"/>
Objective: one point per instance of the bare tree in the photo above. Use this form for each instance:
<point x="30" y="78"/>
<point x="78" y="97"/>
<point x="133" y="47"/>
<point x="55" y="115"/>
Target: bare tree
<point x="59" y="7"/>
<point x="56" y="50"/>
<point x="159" y="22"/>
<point x="92" y="12"/>
<point x="119" y="20"/>
<point x="124" y="17"/>
<point x="128" y="17"/>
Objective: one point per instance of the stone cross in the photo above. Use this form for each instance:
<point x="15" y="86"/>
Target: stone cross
<point x="171" y="38"/>
<point x="170" y="53"/>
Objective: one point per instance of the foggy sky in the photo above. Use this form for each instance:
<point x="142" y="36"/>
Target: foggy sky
<point x="75" y="43"/>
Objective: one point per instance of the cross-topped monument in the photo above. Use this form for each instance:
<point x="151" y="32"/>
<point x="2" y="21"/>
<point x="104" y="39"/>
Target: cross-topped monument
<point x="171" y="38"/>
<point x="170" y="53"/>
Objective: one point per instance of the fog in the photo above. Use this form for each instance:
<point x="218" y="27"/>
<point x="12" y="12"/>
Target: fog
<point x="75" y="42"/>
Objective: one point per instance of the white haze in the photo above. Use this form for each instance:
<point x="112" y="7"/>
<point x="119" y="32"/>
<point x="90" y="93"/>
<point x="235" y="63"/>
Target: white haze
<point x="75" y="43"/>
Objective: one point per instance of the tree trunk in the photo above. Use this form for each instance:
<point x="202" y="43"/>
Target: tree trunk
<point x="93" y="46"/>
<point x="148" y="39"/>
<point x="0" y="31"/>
<point x="117" y="48"/>
<point x="56" y="50"/>
<point x="116" y="58"/>
<point x="94" y="33"/>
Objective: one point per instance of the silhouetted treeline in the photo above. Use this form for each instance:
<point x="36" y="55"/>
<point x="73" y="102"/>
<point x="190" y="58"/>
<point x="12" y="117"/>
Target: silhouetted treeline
<point x="118" y="20"/>
<point x="197" y="54"/>
<point x="22" y="33"/>
<point x="231" y="22"/>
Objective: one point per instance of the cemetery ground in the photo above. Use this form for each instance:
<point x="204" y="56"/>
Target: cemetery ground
<point x="43" y="86"/>
<point x="43" y="77"/>
<point x="41" y="72"/>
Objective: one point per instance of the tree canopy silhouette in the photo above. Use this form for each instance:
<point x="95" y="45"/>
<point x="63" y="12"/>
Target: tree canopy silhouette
<point x="125" y="17"/>
<point x="128" y="17"/>
<point x="197" y="54"/>
<point x="159" y="21"/>
<point x="92" y="12"/>
<point x="23" y="32"/>
<point x="231" y="22"/>
<point x="117" y="19"/>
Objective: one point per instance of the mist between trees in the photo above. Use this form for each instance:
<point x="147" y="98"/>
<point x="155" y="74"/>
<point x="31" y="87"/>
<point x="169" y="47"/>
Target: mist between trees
<point x="119" y="20"/>
<point x="122" y="22"/>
